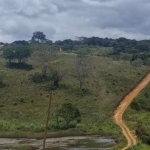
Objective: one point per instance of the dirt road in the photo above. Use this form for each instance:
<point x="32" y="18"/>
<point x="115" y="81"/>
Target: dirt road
<point x="131" y="139"/>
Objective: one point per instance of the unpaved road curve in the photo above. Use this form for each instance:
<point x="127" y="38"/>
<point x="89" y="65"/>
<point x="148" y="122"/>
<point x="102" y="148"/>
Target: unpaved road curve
<point x="131" y="139"/>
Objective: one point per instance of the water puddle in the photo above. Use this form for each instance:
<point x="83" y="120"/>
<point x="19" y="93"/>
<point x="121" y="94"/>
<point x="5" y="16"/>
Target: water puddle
<point x="63" y="143"/>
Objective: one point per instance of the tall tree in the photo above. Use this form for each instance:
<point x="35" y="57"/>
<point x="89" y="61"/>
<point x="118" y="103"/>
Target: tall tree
<point x="39" y="37"/>
<point x="82" y="68"/>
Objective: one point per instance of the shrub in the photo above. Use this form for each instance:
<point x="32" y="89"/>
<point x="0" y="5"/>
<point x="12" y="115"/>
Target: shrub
<point x="139" y="104"/>
<point x="143" y="134"/>
<point x="146" y="95"/>
<point x="49" y="86"/>
<point x="37" y="77"/>
<point x="69" y="113"/>
<point x="4" y="126"/>
<point x="135" y="106"/>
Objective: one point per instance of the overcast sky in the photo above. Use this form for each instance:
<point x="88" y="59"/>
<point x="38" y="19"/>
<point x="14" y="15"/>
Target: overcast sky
<point x="63" y="19"/>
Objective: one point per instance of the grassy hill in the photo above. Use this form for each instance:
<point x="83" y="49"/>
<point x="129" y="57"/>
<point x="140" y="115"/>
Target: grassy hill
<point x="23" y="103"/>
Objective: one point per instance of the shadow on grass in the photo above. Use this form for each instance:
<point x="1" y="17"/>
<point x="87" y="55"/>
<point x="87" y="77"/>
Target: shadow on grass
<point x="21" y="66"/>
<point x="2" y="85"/>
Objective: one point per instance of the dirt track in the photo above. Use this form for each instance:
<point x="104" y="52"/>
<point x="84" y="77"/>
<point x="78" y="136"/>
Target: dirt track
<point x="131" y="139"/>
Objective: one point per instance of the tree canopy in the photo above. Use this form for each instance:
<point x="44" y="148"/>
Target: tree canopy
<point x="20" y="53"/>
<point x="20" y="43"/>
<point x="69" y="113"/>
<point x="39" y="37"/>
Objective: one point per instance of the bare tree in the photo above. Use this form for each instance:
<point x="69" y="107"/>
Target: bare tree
<point x="82" y="68"/>
<point x="46" y="54"/>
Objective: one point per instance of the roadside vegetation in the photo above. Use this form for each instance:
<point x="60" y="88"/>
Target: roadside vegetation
<point x="88" y="78"/>
<point x="137" y="117"/>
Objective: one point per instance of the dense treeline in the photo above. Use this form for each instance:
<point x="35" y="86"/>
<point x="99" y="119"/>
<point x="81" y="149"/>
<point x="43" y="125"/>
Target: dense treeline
<point x="127" y="49"/>
<point x="119" y="45"/>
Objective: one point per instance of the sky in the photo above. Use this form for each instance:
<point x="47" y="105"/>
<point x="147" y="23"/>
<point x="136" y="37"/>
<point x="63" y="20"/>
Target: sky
<point x="68" y="19"/>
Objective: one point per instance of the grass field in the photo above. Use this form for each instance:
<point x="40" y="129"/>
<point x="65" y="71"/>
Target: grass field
<point x="23" y="104"/>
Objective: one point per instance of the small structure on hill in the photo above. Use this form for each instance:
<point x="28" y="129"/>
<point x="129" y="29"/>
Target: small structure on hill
<point x="1" y="46"/>
<point x="60" y="49"/>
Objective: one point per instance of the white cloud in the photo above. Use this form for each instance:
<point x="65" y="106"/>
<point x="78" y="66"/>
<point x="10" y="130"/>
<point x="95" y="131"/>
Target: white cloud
<point x="101" y="3"/>
<point x="61" y="19"/>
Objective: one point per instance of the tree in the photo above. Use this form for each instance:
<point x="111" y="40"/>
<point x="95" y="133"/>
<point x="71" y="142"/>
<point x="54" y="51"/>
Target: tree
<point x="56" y="74"/>
<point x="49" y="42"/>
<point x="82" y="68"/>
<point x="39" y="37"/>
<point x="24" y="43"/>
<point x="45" y="54"/>
<point x="20" y="53"/>
<point x="69" y="113"/>
<point x="60" y="43"/>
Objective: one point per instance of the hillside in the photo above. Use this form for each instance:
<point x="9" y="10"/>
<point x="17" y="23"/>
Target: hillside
<point x="24" y="101"/>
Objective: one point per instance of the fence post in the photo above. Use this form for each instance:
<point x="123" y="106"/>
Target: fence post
<point x="48" y="118"/>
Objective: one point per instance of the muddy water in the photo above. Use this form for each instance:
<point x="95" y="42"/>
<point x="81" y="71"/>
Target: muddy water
<point x="63" y="143"/>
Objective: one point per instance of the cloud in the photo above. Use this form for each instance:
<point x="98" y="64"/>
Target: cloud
<point x="61" y="19"/>
<point x="101" y="3"/>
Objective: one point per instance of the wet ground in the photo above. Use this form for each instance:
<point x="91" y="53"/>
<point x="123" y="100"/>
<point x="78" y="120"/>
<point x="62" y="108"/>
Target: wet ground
<point x="63" y="143"/>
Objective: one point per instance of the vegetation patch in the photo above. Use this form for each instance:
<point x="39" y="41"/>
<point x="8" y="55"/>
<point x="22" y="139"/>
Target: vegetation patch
<point x="88" y="78"/>
<point x="137" y="117"/>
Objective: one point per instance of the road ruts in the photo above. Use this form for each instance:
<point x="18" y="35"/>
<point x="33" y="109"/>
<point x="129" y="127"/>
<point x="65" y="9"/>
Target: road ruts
<point x="131" y="139"/>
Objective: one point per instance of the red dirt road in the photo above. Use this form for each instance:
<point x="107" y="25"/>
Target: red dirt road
<point x="131" y="139"/>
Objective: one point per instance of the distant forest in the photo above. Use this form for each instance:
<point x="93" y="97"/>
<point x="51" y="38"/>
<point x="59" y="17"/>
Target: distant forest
<point x="122" y="48"/>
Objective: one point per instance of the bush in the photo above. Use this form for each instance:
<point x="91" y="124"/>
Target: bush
<point x="135" y="106"/>
<point x="37" y="77"/>
<point x="146" y="95"/>
<point x="143" y="134"/>
<point x="145" y="138"/>
<point x="69" y="113"/>
<point x="49" y="87"/>
<point x="4" y="126"/>
<point x="139" y="104"/>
